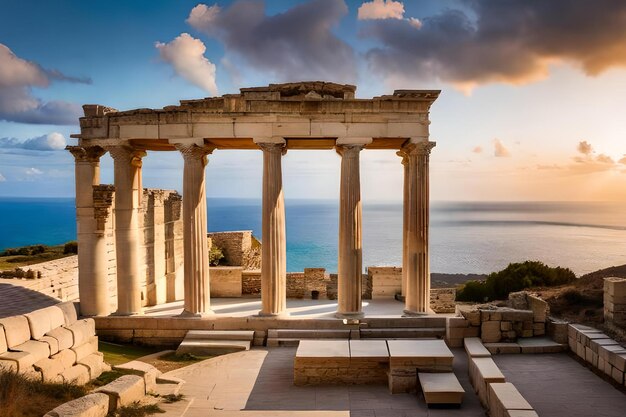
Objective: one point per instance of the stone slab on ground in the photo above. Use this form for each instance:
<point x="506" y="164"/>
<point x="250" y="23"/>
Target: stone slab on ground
<point x="503" y="348"/>
<point x="91" y="405"/>
<point x="77" y="374"/>
<point x="503" y="397"/>
<point x="124" y="390"/>
<point x="441" y="388"/>
<point x="148" y="372"/>
<point x="420" y="353"/>
<point x="201" y="347"/>
<point x="369" y="349"/>
<point x="220" y="334"/>
<point x="474" y="347"/>
<point x="540" y="345"/>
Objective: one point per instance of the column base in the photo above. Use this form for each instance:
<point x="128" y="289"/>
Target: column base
<point x="410" y="313"/>
<point x="262" y="314"/>
<point x="188" y="314"/>
<point x="350" y="315"/>
<point x="126" y="314"/>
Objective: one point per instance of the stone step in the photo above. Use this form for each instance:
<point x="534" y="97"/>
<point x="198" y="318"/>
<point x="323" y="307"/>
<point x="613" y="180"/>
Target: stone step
<point x="308" y="334"/>
<point x="200" y="347"/>
<point x="276" y="342"/>
<point x="163" y="389"/>
<point x="403" y="333"/>
<point x="220" y="334"/>
<point x="404" y="322"/>
<point x="441" y="388"/>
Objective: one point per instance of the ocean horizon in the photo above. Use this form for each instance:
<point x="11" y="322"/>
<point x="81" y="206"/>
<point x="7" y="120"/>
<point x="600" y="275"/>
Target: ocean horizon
<point x="465" y="237"/>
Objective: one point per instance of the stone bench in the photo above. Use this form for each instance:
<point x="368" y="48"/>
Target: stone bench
<point x="322" y="362"/>
<point x="51" y="344"/>
<point x="369" y="361"/>
<point x="482" y="373"/>
<point x="506" y="401"/>
<point x="408" y="357"/>
<point x="474" y="348"/>
<point x="441" y="389"/>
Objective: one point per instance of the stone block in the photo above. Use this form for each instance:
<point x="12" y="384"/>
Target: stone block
<point x="67" y="358"/>
<point x="148" y="372"/>
<point x="124" y="390"/>
<point x="53" y="344"/>
<point x="504" y="396"/>
<point x="457" y="322"/>
<point x="16" y="330"/>
<point x="94" y="364"/>
<point x="91" y="405"/>
<point x="70" y="312"/>
<point x="484" y="371"/>
<point x="490" y="332"/>
<point x="86" y="349"/>
<point x="503" y="348"/>
<point x="420" y="354"/>
<point x="472" y="316"/>
<point x="617" y="375"/>
<point x="505" y="326"/>
<point x="539" y="308"/>
<point x="226" y="281"/>
<point x="474" y="348"/>
<point x="517" y="315"/>
<point x="23" y="361"/>
<point x="64" y="337"/>
<point x="39" y="350"/>
<point x="77" y="374"/>
<point x="43" y="320"/>
<point x="49" y="369"/>
<point x="82" y="330"/>
<point x="441" y="388"/>
<point x="400" y="383"/>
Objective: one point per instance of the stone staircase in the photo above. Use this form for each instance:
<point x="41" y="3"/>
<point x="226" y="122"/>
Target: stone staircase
<point x="428" y="327"/>
<point x="215" y="342"/>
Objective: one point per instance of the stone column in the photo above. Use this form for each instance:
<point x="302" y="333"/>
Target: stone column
<point x="417" y="298"/>
<point x="154" y="234"/>
<point x="197" y="290"/>
<point x="92" y="254"/>
<point x="405" y="217"/>
<point x="274" y="248"/>
<point x="128" y="239"/>
<point x="349" y="269"/>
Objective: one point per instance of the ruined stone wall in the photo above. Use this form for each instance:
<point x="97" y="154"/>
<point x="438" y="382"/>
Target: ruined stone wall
<point x="251" y="282"/>
<point x="104" y="201"/>
<point x="615" y="302"/>
<point x="442" y="300"/>
<point x="299" y="284"/>
<point x="233" y="244"/>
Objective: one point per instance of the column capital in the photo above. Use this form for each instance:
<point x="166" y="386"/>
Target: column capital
<point x="417" y="148"/>
<point x="273" y="147"/>
<point x="193" y="152"/>
<point x="404" y="155"/>
<point x="349" y="150"/>
<point x="123" y="153"/>
<point x="86" y="153"/>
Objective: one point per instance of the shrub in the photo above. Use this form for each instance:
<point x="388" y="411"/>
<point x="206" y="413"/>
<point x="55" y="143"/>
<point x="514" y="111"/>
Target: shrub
<point x="515" y="277"/>
<point x="215" y="255"/>
<point x="70" y="247"/>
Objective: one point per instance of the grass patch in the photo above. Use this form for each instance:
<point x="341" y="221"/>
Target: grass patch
<point x="24" y="397"/>
<point x="116" y="354"/>
<point x="136" y="409"/>
<point x="15" y="258"/>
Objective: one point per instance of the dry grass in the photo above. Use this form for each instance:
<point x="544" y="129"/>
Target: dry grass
<point x="136" y="409"/>
<point x="24" y="397"/>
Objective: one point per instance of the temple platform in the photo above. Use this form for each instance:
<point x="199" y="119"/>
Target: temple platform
<point x="164" y="325"/>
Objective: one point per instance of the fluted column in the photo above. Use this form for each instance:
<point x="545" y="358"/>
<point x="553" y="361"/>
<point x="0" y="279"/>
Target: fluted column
<point x="349" y="270"/>
<point x="274" y="248"/>
<point x="417" y="299"/>
<point x="92" y="255"/>
<point x="405" y="217"/>
<point x="197" y="290"/>
<point x="128" y="195"/>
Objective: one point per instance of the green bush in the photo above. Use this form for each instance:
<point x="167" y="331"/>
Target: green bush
<point x="515" y="277"/>
<point x="70" y="247"/>
<point x="215" y="255"/>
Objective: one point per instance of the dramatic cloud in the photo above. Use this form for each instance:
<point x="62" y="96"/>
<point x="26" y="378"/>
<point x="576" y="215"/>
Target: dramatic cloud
<point x="491" y="41"/>
<point x="51" y="142"/>
<point x="17" y="104"/>
<point x="186" y="55"/>
<point x="585" y="147"/>
<point x="499" y="150"/>
<point x="381" y="9"/>
<point x="294" y="45"/>
<point x="477" y="149"/>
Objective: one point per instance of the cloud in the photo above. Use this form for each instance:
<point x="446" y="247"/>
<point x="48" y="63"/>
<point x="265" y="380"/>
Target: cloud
<point x="186" y="55"/>
<point x="477" y="149"/>
<point x="294" y="45"/>
<point x="381" y="9"/>
<point x="33" y="171"/>
<point x="499" y="150"/>
<point x="605" y="159"/>
<point x="2" y="178"/>
<point x="510" y="42"/>
<point x="51" y="142"/>
<point x="585" y="148"/>
<point x="17" y="104"/>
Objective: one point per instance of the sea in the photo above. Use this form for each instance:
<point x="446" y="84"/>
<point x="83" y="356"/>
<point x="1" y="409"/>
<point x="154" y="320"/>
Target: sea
<point x="465" y="237"/>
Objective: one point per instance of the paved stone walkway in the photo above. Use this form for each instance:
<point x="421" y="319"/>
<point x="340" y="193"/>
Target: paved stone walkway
<point x="17" y="299"/>
<point x="262" y="379"/>
<point x="557" y="385"/>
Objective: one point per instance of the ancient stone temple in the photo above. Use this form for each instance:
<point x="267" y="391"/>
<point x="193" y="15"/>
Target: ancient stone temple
<point x="273" y="120"/>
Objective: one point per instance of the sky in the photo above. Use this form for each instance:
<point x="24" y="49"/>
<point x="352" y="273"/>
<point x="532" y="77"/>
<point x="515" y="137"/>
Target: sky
<point x="532" y="104"/>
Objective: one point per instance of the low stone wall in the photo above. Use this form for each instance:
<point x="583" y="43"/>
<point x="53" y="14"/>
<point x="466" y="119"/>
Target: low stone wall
<point x="615" y="302"/>
<point x="233" y="244"/>
<point x="386" y="281"/>
<point x="299" y="284"/>
<point x="599" y="351"/>
<point x="442" y="300"/>
<point x="226" y="281"/>
<point x="251" y="282"/>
